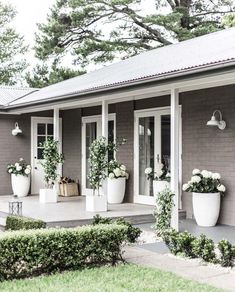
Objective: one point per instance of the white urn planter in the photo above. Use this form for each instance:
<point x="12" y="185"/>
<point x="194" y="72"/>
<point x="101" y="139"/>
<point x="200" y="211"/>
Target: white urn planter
<point x="48" y="196"/>
<point x="116" y="190"/>
<point x="159" y="186"/>
<point x="206" y="208"/>
<point x="96" y="203"/>
<point x="20" y="185"/>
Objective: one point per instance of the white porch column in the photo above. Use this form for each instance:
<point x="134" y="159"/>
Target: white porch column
<point x="56" y="124"/>
<point x="175" y="155"/>
<point x="105" y="119"/>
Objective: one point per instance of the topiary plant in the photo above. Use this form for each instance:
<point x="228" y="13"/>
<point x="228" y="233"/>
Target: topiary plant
<point x="204" y="248"/>
<point x="227" y="253"/>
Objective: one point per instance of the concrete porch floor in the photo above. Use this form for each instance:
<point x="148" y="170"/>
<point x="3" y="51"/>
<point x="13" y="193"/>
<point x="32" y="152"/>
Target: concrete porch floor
<point x="71" y="211"/>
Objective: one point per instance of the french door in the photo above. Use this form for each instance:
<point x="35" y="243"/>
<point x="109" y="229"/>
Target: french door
<point x="91" y="130"/>
<point x="152" y="146"/>
<point x="41" y="130"/>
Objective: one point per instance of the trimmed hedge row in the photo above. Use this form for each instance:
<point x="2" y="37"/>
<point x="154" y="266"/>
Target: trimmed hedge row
<point x="19" y="222"/>
<point x="33" y="252"/>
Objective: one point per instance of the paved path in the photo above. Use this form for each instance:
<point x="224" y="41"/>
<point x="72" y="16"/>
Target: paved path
<point x="215" y="276"/>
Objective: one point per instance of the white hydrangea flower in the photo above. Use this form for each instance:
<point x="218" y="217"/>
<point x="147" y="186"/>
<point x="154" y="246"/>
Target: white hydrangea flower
<point x="168" y="174"/>
<point x="206" y="174"/>
<point x="195" y="179"/>
<point x="18" y="168"/>
<point x="28" y="166"/>
<point x="123" y="167"/>
<point x="123" y="173"/>
<point x="10" y="170"/>
<point x="21" y="159"/>
<point x="111" y="175"/>
<point x="17" y="164"/>
<point x="159" y="166"/>
<point x="127" y="175"/>
<point x="221" y="188"/>
<point x="27" y="171"/>
<point x="159" y="173"/>
<point x="185" y="187"/>
<point x="148" y="170"/>
<point x="196" y="171"/>
<point x="117" y="172"/>
<point x="216" y="175"/>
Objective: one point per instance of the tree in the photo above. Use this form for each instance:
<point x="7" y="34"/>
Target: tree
<point x="229" y="20"/>
<point x="43" y="75"/>
<point x="12" y="48"/>
<point x="101" y="30"/>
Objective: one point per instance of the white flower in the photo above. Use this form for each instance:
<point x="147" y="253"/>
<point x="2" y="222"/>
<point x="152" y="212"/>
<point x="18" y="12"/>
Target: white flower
<point x="216" y="175"/>
<point x="17" y="164"/>
<point x="28" y="166"/>
<point x="123" y="167"/>
<point x="195" y="179"/>
<point x="10" y="170"/>
<point x="148" y="170"/>
<point x="159" y="166"/>
<point x="123" y="173"/>
<point x="21" y="159"/>
<point x="168" y="174"/>
<point x="127" y="175"/>
<point x="206" y="174"/>
<point x="221" y="188"/>
<point x="196" y="171"/>
<point x="117" y="172"/>
<point x="111" y="175"/>
<point x="159" y="173"/>
<point x="27" y="171"/>
<point x="185" y="187"/>
<point x="18" y="168"/>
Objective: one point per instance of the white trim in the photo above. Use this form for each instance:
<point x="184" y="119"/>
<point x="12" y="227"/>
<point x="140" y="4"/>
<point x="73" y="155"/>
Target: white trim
<point x="90" y="119"/>
<point x="34" y="121"/>
<point x="146" y="113"/>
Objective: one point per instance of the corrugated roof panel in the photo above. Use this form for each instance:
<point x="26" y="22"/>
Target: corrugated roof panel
<point x="10" y="93"/>
<point x="209" y="49"/>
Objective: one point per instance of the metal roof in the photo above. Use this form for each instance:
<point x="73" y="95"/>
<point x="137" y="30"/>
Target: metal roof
<point x="9" y="94"/>
<point x="189" y="56"/>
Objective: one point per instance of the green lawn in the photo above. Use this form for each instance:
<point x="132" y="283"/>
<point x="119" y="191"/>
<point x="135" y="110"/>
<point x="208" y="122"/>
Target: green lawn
<point x="120" y="278"/>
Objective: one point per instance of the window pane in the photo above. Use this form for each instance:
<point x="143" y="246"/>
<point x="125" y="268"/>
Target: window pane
<point x="166" y="139"/>
<point x="91" y="134"/>
<point x="146" y="153"/>
<point x="41" y="129"/>
<point x="41" y="140"/>
<point x="50" y="129"/>
<point x="39" y="154"/>
<point x="111" y="138"/>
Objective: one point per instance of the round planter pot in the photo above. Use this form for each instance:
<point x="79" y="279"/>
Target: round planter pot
<point x="206" y="208"/>
<point x="116" y="190"/>
<point x="159" y="186"/>
<point x="20" y="185"/>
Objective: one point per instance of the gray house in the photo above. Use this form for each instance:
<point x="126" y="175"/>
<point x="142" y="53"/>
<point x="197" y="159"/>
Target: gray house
<point x="160" y="101"/>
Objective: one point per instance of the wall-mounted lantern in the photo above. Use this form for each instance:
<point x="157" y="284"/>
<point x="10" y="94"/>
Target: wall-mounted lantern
<point x="217" y="122"/>
<point x="17" y="130"/>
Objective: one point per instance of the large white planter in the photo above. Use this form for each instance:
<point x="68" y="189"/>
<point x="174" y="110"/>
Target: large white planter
<point x="20" y="185"/>
<point x="48" y="196"/>
<point x="116" y="190"/>
<point x="96" y="203"/>
<point x="159" y="186"/>
<point x="206" y="208"/>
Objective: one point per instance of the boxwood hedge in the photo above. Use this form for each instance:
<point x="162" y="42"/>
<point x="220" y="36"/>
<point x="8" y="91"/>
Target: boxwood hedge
<point x="19" y="222"/>
<point x="27" y="253"/>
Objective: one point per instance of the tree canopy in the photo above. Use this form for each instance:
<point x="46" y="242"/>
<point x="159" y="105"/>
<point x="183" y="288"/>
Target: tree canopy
<point x="12" y="48"/>
<point x="43" y="75"/>
<point x="99" y="31"/>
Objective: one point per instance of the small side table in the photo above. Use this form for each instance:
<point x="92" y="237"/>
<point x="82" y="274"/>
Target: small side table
<point x="15" y="207"/>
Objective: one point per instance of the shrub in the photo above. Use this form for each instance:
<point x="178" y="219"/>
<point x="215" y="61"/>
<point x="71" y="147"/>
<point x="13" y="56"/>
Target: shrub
<point x="227" y="253"/>
<point x="132" y="232"/>
<point x="170" y="238"/>
<point x="33" y="252"/>
<point x="19" y="222"/>
<point x="204" y="248"/>
<point x="185" y="244"/>
<point x="163" y="211"/>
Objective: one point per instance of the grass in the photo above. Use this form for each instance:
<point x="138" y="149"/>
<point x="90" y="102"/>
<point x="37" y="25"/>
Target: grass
<point x="126" y="278"/>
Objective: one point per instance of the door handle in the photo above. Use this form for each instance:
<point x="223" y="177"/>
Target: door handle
<point x="35" y="167"/>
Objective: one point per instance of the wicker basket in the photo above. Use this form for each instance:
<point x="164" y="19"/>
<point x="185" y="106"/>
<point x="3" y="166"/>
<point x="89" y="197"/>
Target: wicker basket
<point x="69" y="189"/>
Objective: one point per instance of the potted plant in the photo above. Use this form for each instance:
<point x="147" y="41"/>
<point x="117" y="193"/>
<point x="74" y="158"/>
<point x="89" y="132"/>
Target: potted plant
<point x="97" y="202"/>
<point x="206" y="189"/>
<point x="160" y="177"/>
<point x="117" y="176"/>
<point x="51" y="160"/>
<point x="20" y="177"/>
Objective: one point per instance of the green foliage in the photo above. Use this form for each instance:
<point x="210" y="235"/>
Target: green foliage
<point x="227" y="252"/>
<point x="170" y="237"/>
<point x="163" y="211"/>
<point x="185" y="242"/>
<point x="12" y="48"/>
<point x="204" y="248"/>
<point x="76" y="27"/>
<point x="51" y="159"/>
<point x="43" y="76"/>
<point x="229" y="20"/>
<point x="35" y="252"/>
<point x="18" y="223"/>
<point x="132" y="232"/>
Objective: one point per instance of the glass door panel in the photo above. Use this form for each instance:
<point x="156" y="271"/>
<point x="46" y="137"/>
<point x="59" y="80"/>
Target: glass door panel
<point x="146" y="153"/>
<point x="166" y="140"/>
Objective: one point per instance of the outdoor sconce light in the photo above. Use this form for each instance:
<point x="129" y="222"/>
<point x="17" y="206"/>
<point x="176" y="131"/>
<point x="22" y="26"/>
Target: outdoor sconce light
<point x="215" y="122"/>
<point x="17" y="130"/>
